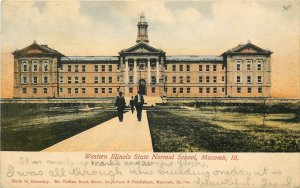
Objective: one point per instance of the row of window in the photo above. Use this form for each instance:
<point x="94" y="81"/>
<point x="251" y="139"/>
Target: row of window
<point x="249" y="79"/>
<point x="35" y="66"/>
<point x="83" y="90"/>
<point x="249" y="67"/>
<point x="83" y="80"/>
<point x="35" y="90"/>
<point x="249" y="90"/>
<point x="24" y="80"/>
<point x="188" y="79"/>
<point x="83" y="68"/>
<point x="201" y="67"/>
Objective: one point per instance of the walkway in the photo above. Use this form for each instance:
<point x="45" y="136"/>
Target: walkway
<point x="112" y="135"/>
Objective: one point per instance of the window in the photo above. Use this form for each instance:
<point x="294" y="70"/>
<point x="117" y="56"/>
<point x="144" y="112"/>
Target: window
<point x="35" y="80"/>
<point x="82" y="90"/>
<point x="69" y="80"/>
<point x="259" y="66"/>
<point x="153" y="79"/>
<point x="76" y="90"/>
<point x="103" y="68"/>
<point x="83" y="80"/>
<point x="180" y="67"/>
<point x="214" y="67"/>
<point x="35" y="67"/>
<point x="259" y="90"/>
<point x="61" y="67"/>
<point x="45" y="90"/>
<point x="207" y="67"/>
<point x="95" y="90"/>
<point x="188" y="79"/>
<point x="207" y="90"/>
<point x="214" y="90"/>
<point x="200" y="68"/>
<point x="223" y="89"/>
<point x="118" y="78"/>
<point x="207" y="79"/>
<point x="153" y="65"/>
<point x="248" y="67"/>
<point x="130" y="90"/>
<point x="249" y="89"/>
<point x="95" y="80"/>
<point x="110" y="68"/>
<point x="69" y="90"/>
<point x="103" y="90"/>
<point x="60" y="89"/>
<point x="248" y="79"/>
<point x="110" y="90"/>
<point x="110" y="79"/>
<point x="76" y="80"/>
<point x="223" y="78"/>
<point x="200" y="79"/>
<point x="130" y="79"/>
<point x="238" y="89"/>
<point x="130" y="66"/>
<point x="166" y="79"/>
<point x="188" y="67"/>
<point x="188" y="90"/>
<point x="181" y="90"/>
<point x="83" y="68"/>
<point x="76" y="68"/>
<point x="173" y="67"/>
<point x="153" y="89"/>
<point x="25" y="66"/>
<point x="45" y="66"/>
<point x="141" y="66"/>
<point x="200" y="89"/>
<point x="24" y="90"/>
<point x="259" y="79"/>
<point x="181" y="79"/>
<point x="215" y="79"/>
<point x="174" y="89"/>
<point x="45" y="79"/>
<point x="24" y="80"/>
<point x="166" y="67"/>
<point x="238" y="66"/>
<point x="238" y="79"/>
<point x="34" y="90"/>
<point x="61" y="79"/>
<point x="174" y="79"/>
<point x="166" y="90"/>
<point x="223" y="67"/>
<point x="96" y="68"/>
<point x="69" y="68"/>
<point x="103" y="79"/>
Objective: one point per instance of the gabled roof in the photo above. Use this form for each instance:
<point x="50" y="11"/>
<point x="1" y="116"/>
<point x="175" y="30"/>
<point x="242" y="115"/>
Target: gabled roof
<point x="36" y="49"/>
<point x="89" y="58"/>
<point x="248" y="48"/>
<point x="194" y="58"/>
<point x="141" y="47"/>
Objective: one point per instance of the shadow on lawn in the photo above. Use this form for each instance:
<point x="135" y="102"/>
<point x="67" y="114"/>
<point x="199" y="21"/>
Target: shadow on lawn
<point x="173" y="132"/>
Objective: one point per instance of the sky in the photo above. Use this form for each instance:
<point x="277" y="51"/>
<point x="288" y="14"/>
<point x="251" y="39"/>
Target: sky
<point x="177" y="27"/>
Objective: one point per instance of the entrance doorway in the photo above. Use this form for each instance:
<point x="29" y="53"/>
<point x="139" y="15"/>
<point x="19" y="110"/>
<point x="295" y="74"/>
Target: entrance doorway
<point x="142" y="86"/>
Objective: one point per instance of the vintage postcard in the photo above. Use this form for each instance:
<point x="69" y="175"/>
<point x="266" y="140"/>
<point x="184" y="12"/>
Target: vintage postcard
<point x="150" y="94"/>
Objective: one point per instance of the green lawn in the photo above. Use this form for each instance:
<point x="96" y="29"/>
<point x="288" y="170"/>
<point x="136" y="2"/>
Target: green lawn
<point x="34" y="127"/>
<point x="201" y="129"/>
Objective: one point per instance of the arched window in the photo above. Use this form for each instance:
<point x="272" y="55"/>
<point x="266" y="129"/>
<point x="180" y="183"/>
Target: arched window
<point x="34" y="66"/>
<point x="24" y="66"/>
<point x="45" y="66"/>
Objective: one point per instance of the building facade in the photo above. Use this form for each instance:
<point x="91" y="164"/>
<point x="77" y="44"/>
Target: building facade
<point x="42" y="72"/>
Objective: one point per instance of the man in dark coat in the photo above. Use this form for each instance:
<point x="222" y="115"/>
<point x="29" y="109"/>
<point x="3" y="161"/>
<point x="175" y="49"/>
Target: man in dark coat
<point x="131" y="103"/>
<point x="139" y="102"/>
<point x="120" y="105"/>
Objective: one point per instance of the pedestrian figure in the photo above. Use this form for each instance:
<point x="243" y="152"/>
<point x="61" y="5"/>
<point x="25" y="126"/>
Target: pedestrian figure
<point x="120" y="105"/>
<point x="132" y="105"/>
<point x="139" y="102"/>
